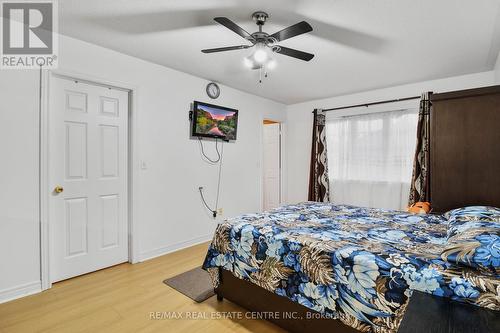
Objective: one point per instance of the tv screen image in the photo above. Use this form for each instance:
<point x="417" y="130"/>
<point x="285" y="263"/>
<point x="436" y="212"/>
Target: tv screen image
<point x="214" y="121"/>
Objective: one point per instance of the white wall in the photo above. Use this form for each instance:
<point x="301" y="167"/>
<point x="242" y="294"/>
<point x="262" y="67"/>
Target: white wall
<point x="299" y="121"/>
<point x="169" y="212"/>
<point x="497" y="69"/>
<point x="19" y="230"/>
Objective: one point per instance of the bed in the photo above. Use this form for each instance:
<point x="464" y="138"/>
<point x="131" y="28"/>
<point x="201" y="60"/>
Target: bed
<point x="357" y="265"/>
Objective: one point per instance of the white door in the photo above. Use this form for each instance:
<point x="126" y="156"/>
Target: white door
<point x="88" y="135"/>
<point x="272" y="166"/>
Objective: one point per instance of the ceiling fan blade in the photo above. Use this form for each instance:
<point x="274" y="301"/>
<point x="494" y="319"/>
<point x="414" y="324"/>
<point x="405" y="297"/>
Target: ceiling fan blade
<point x="227" y="48"/>
<point x="292" y="31"/>
<point x="234" y="27"/>
<point x="294" y="53"/>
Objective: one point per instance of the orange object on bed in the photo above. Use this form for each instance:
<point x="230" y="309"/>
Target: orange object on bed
<point x="420" y="208"/>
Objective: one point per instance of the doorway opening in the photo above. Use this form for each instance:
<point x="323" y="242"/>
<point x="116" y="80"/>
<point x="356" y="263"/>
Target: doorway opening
<point x="272" y="165"/>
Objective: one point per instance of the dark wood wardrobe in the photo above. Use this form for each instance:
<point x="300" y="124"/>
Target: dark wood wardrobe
<point x="465" y="148"/>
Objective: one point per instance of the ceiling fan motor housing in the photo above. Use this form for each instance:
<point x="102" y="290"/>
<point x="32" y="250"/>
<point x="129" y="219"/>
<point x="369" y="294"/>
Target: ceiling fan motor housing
<point x="260" y="17"/>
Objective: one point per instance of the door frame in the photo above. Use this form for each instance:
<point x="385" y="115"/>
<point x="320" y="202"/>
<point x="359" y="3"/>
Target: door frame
<point x="282" y="170"/>
<point x="133" y="164"/>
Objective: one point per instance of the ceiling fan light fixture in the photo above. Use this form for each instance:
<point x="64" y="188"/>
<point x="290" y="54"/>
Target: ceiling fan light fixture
<point x="248" y="61"/>
<point x="271" y="64"/>
<point x="260" y="54"/>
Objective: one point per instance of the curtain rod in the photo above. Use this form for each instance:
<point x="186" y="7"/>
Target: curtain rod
<point x="373" y="103"/>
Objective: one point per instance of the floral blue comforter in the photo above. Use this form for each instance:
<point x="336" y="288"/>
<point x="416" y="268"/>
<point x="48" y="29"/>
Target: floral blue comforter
<point x="355" y="264"/>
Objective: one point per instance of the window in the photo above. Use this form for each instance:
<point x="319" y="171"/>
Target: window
<point x="370" y="158"/>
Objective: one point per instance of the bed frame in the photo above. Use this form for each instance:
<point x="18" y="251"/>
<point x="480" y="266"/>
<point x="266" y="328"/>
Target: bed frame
<point x="278" y="309"/>
<point x="464" y="170"/>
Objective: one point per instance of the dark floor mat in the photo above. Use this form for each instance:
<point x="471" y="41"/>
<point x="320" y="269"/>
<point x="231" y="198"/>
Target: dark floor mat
<point x="195" y="284"/>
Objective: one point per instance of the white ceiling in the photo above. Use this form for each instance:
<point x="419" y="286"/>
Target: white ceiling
<point x="359" y="44"/>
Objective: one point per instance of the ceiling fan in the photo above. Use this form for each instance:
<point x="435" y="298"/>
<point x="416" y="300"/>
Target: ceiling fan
<point x="263" y="42"/>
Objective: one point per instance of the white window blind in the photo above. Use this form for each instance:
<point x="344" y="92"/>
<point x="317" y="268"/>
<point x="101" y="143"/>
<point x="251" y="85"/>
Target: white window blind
<point x="370" y="158"/>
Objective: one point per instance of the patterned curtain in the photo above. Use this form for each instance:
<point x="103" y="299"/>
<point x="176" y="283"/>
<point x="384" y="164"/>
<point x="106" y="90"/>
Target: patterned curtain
<point x="419" y="190"/>
<point x="319" y="186"/>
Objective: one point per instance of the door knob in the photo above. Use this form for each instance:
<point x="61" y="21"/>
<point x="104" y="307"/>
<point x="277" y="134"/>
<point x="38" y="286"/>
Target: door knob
<point x="58" y="189"/>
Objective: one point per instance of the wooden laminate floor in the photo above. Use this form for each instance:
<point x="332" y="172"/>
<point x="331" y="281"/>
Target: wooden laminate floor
<point x="122" y="298"/>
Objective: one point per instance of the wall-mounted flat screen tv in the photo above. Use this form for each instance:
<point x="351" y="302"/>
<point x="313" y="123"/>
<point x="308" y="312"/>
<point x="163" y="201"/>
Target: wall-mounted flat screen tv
<point x="214" y="121"/>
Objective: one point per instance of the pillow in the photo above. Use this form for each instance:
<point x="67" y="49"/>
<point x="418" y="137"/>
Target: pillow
<point x="474" y="213"/>
<point x="462" y="219"/>
<point x="474" y="237"/>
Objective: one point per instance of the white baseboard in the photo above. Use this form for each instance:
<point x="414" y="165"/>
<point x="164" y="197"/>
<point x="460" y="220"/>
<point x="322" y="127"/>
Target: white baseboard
<point x="20" y="291"/>
<point x="174" y="247"/>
